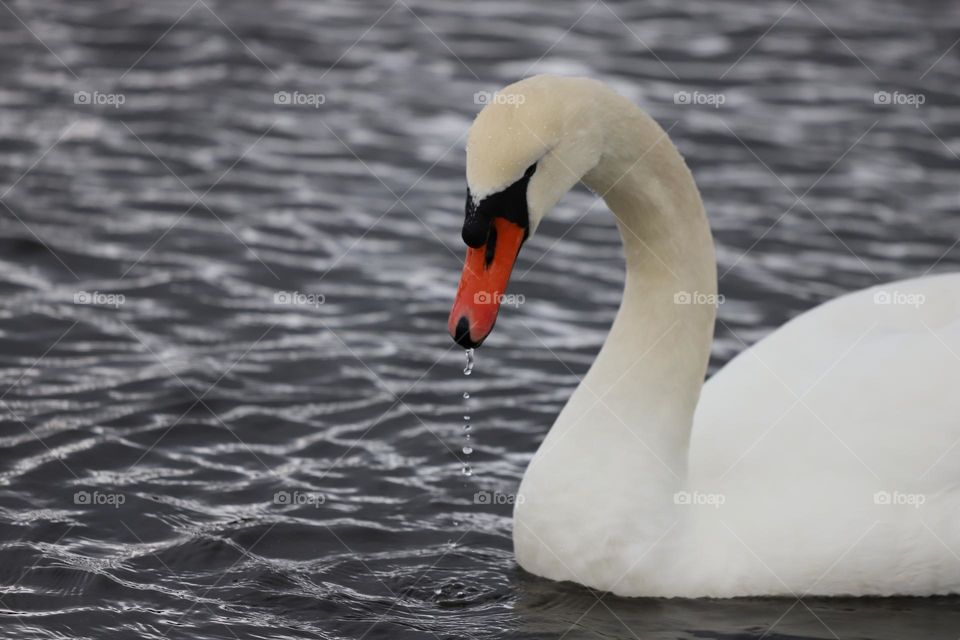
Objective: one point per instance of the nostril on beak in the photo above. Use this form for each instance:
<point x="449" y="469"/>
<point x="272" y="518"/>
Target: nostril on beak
<point x="462" y="334"/>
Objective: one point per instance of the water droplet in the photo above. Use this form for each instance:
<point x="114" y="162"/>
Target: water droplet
<point x="437" y="591"/>
<point x="467" y="449"/>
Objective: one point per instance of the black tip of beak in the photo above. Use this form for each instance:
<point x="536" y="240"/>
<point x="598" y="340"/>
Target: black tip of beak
<point x="462" y="335"/>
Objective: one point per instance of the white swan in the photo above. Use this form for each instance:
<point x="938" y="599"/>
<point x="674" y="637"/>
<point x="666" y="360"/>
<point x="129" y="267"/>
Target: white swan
<point x="823" y="460"/>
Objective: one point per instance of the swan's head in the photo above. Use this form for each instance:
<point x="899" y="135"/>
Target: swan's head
<point x="530" y="144"/>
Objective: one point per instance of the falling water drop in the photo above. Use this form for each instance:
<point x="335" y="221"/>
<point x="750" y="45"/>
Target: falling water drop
<point x="467" y="449"/>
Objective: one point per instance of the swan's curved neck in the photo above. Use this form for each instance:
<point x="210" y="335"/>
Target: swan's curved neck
<point x="628" y="423"/>
<point x="652" y="365"/>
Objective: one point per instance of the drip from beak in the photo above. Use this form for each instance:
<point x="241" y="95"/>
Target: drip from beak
<point x="486" y="272"/>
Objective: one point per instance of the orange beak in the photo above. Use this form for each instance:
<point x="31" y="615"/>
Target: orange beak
<point x="486" y="272"/>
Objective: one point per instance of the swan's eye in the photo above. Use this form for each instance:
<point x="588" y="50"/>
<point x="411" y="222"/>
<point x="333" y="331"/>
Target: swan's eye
<point x="475" y="226"/>
<point x="510" y="203"/>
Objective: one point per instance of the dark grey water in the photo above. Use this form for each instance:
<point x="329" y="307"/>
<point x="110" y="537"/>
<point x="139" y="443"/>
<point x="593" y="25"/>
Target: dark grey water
<point x="191" y="456"/>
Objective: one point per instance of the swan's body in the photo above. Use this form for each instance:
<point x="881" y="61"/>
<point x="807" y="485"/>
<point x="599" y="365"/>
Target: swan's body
<point x="785" y="444"/>
<point x="777" y="481"/>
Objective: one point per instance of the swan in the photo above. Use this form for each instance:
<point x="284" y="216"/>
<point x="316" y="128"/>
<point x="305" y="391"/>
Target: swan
<point x="823" y="460"/>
